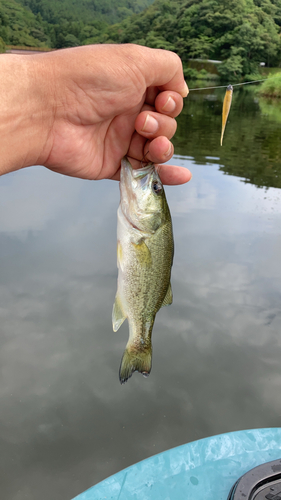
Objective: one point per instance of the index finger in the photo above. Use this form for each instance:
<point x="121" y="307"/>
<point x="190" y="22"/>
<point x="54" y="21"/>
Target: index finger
<point x="163" y="69"/>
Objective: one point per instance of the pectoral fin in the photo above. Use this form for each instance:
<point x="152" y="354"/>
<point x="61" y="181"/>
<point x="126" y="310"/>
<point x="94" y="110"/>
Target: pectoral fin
<point x="169" y="297"/>
<point x="119" y="254"/>
<point x="143" y="253"/>
<point x="118" y="316"/>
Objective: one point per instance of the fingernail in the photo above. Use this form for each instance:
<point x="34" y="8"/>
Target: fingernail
<point x="185" y="90"/>
<point x="169" y="151"/>
<point x="170" y="105"/>
<point x="150" y="125"/>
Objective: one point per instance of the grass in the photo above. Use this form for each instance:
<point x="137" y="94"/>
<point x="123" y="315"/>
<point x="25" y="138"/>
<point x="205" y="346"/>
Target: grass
<point x="270" y="108"/>
<point x="272" y="86"/>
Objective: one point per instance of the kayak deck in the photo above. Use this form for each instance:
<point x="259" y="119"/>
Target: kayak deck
<point x="206" y="468"/>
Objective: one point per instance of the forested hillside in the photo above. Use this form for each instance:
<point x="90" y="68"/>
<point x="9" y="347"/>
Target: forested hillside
<point x="19" y="26"/>
<point x="241" y="33"/>
<point x="64" y="23"/>
<point x="110" y="11"/>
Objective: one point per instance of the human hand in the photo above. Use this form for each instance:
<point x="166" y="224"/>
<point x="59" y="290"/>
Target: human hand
<point x="93" y="107"/>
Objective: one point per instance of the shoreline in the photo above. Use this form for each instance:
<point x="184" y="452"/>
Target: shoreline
<point x="26" y="50"/>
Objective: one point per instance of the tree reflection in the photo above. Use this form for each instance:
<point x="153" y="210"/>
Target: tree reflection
<point x="252" y="146"/>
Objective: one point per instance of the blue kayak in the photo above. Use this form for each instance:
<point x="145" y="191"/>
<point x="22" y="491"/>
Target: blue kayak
<point x="203" y="469"/>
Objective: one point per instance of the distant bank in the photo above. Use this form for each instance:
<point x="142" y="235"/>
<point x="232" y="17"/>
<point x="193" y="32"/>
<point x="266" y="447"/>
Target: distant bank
<point x="26" y="50"/>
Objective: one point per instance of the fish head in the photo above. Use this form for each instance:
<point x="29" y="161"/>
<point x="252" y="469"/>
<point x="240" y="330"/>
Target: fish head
<point x="143" y="200"/>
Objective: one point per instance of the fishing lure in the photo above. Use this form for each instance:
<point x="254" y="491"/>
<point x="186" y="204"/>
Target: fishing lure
<point x="226" y="107"/>
<point x="227" y="98"/>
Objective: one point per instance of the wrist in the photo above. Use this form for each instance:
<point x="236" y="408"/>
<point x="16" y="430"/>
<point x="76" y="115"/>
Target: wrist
<point x="25" y="111"/>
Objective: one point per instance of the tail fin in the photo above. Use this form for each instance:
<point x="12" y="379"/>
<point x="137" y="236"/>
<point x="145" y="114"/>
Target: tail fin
<point x="135" y="360"/>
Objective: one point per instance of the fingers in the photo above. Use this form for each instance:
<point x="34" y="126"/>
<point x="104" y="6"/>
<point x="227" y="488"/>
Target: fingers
<point x="170" y="174"/>
<point x="166" y="102"/>
<point x="158" y="150"/>
<point x="151" y="124"/>
<point x="155" y="125"/>
<point x="173" y="175"/>
<point x="163" y="69"/>
<point x="151" y="94"/>
<point x="169" y="103"/>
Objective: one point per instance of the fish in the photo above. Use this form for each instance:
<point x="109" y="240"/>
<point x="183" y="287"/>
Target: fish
<point x="145" y="250"/>
<point x="226" y="108"/>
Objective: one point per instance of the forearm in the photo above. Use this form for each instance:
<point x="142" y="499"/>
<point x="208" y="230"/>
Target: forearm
<point x="25" y="112"/>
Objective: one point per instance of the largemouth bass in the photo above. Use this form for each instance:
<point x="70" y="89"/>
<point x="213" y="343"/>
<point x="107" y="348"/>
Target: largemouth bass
<point x="145" y="251"/>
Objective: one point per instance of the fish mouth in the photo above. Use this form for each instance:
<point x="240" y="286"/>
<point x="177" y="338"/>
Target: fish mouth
<point x="137" y="195"/>
<point x="128" y="173"/>
<point x="128" y="178"/>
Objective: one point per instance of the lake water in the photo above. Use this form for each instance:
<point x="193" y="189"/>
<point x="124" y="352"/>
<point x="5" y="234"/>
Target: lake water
<point x="65" y="421"/>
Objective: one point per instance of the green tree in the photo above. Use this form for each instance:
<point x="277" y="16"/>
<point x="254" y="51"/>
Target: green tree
<point x="200" y="47"/>
<point x="241" y="33"/>
<point x="2" y="45"/>
<point x="232" y="68"/>
<point x="71" y="41"/>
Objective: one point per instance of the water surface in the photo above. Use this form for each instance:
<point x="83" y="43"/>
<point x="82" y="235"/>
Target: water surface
<point x="65" y="420"/>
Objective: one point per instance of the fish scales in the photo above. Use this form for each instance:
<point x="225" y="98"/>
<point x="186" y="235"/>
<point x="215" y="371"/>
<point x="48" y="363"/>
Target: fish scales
<point x="145" y="285"/>
<point x="144" y="256"/>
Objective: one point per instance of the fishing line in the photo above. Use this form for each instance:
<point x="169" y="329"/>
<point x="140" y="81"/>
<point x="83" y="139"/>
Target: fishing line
<point x="225" y="86"/>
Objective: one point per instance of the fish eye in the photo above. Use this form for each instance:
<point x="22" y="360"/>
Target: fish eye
<point x="157" y="187"/>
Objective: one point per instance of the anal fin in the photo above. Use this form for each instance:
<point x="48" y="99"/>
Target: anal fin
<point x="169" y="297"/>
